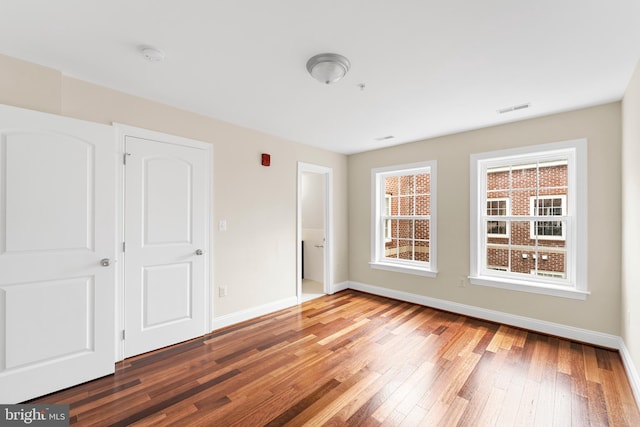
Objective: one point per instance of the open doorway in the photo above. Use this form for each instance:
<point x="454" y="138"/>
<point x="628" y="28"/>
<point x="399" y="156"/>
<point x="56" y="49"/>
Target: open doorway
<point x="314" y="225"/>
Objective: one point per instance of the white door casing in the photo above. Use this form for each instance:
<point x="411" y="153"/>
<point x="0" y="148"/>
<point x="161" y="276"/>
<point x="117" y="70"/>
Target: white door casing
<point x="166" y="235"/>
<point x="57" y="222"/>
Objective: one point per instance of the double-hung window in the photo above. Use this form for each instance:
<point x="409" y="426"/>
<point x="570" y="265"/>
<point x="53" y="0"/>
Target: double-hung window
<point x="528" y="219"/>
<point x="403" y="222"/>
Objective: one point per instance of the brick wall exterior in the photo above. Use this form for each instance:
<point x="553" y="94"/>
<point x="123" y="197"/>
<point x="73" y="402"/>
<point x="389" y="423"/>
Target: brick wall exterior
<point x="519" y="186"/>
<point x="409" y="195"/>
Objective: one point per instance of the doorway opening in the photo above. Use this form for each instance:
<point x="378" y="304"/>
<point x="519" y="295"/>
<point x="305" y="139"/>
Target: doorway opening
<point x="314" y="276"/>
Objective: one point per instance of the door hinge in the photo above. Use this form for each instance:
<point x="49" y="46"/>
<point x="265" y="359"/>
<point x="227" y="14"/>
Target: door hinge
<point x="124" y="158"/>
<point x="124" y="246"/>
<point x="123" y="335"/>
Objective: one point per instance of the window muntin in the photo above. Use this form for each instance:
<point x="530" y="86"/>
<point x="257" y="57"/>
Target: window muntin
<point x="403" y="233"/>
<point x="541" y="247"/>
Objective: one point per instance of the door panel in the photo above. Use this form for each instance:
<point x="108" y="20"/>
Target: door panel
<point x="57" y="221"/>
<point x="167" y="210"/>
<point x="167" y="291"/>
<point x="28" y="303"/>
<point x="166" y="207"/>
<point x="27" y="224"/>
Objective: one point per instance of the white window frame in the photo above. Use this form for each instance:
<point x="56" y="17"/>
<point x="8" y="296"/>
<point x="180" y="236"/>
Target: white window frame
<point x="563" y="201"/>
<point x="507" y="213"/>
<point x="378" y="237"/>
<point x="574" y="285"/>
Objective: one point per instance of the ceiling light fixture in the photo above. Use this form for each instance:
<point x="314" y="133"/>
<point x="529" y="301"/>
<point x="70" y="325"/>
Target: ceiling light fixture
<point x="328" y="68"/>
<point x="152" y="54"/>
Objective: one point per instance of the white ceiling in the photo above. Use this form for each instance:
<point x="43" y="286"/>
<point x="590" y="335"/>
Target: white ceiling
<point x="429" y="67"/>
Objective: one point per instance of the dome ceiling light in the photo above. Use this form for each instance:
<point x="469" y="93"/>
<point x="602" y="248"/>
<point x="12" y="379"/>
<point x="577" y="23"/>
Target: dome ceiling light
<point x="328" y="68"/>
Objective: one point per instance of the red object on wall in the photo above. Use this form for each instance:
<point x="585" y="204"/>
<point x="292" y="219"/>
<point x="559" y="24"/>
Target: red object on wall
<point x="266" y="159"/>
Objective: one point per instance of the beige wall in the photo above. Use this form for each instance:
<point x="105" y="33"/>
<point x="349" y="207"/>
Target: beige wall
<point x="259" y="203"/>
<point x="256" y="257"/>
<point x="30" y="86"/>
<point x="599" y="125"/>
<point x="630" y="313"/>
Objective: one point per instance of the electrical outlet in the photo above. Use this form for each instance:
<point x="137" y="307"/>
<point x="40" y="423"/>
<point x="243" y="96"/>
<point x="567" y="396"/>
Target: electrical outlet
<point x="463" y="282"/>
<point x="222" y="291"/>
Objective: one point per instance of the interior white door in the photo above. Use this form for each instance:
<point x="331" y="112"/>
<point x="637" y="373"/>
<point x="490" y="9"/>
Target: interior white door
<point x="57" y="222"/>
<point x="166" y="237"/>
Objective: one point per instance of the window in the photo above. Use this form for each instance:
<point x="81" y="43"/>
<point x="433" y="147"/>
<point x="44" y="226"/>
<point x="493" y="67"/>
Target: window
<point x="547" y="206"/>
<point x="497" y="207"/>
<point x="404" y="219"/>
<point x="528" y="219"/>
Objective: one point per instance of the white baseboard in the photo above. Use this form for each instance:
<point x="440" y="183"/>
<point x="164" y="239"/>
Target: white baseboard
<point x="632" y="372"/>
<point x="251" y="313"/>
<point x="556" y="329"/>
<point x="337" y="287"/>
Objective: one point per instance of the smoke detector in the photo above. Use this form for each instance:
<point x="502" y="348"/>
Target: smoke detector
<point x="152" y="54"/>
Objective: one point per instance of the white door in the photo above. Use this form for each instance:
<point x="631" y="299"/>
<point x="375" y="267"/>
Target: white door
<point x="166" y="238"/>
<point x="57" y="222"/>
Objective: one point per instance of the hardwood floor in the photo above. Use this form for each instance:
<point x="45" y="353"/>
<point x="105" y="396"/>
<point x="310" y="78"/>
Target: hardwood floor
<point x="357" y="359"/>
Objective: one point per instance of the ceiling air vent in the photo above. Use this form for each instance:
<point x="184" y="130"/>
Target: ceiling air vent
<point x="385" y="138"/>
<point x="514" y="108"/>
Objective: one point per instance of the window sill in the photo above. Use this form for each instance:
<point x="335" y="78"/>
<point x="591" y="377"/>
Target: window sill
<point x="532" y="287"/>
<point x="404" y="269"/>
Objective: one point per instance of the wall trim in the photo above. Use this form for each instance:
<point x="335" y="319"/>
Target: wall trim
<point x="337" y="287"/>
<point x="556" y="329"/>
<point x="251" y="313"/>
<point x="632" y="371"/>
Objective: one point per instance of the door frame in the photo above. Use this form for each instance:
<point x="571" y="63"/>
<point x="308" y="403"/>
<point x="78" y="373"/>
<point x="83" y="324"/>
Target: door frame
<point x="327" y="173"/>
<point x="123" y="131"/>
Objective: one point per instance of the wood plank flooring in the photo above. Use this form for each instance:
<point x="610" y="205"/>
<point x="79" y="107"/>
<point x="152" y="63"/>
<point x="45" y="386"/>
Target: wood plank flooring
<point x="355" y="359"/>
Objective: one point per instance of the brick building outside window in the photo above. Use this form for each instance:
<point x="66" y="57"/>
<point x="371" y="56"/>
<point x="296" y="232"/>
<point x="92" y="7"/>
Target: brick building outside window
<point x="527" y="247"/>
<point x="407" y="226"/>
